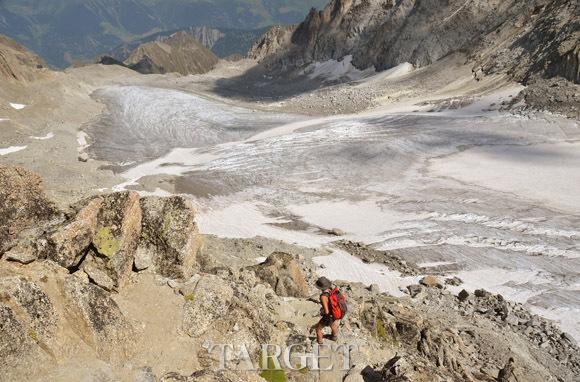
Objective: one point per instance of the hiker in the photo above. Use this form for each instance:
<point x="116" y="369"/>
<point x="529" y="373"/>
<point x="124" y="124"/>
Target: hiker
<point x="333" y="309"/>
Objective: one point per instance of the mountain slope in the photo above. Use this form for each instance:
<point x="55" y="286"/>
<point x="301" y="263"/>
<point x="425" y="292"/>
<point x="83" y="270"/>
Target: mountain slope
<point x="17" y="63"/>
<point x="523" y="38"/>
<point x="180" y="53"/>
<point x="64" y="30"/>
<point x="222" y="41"/>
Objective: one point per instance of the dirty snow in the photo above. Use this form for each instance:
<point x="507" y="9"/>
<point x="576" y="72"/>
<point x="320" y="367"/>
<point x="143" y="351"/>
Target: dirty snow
<point x="333" y="70"/>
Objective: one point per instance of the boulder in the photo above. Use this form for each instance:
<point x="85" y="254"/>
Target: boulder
<point x="40" y="314"/>
<point x="414" y="290"/>
<point x="169" y="236"/>
<point x="104" y="234"/>
<point x="97" y="319"/>
<point x="209" y="301"/>
<point x="431" y="282"/>
<point x="22" y="254"/>
<point x="284" y="275"/>
<point x="67" y="246"/>
<point x="23" y="204"/>
<point x="27" y="323"/>
<point x="463" y="295"/>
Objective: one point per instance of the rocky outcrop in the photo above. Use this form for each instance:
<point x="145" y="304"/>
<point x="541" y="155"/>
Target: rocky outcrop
<point x="97" y="319"/>
<point x="17" y="63"/>
<point x="522" y="39"/>
<point x="169" y="238"/>
<point x="23" y="204"/>
<point x="282" y="272"/>
<point x="543" y="40"/>
<point x="272" y="42"/>
<point x="111" y="234"/>
<point x="180" y="53"/>
<point x="556" y="95"/>
<point x="209" y="301"/>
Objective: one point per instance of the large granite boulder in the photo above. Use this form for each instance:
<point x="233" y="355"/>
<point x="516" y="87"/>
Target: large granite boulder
<point x="170" y="239"/>
<point x="97" y="319"/>
<point x="28" y="323"/>
<point x="283" y="273"/>
<point x="104" y="236"/>
<point x="23" y="204"/>
<point x="209" y="301"/>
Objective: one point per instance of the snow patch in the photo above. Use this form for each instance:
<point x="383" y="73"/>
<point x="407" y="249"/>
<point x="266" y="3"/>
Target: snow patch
<point x="4" y="119"/>
<point x="245" y="220"/>
<point x="435" y="264"/>
<point x="333" y="70"/>
<point x="12" y="149"/>
<point x="82" y="141"/>
<point x="17" y="106"/>
<point x="341" y="265"/>
<point x="396" y="72"/>
<point x="47" y="136"/>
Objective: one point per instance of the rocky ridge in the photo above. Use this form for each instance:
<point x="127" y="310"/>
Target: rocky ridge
<point x="180" y="53"/>
<point x="120" y="287"/>
<point x="522" y="39"/>
<point x="17" y="63"/>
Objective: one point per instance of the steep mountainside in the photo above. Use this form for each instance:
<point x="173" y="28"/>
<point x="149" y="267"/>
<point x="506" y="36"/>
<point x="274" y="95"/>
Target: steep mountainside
<point x="223" y="41"/>
<point x="522" y="38"/>
<point x="274" y="40"/>
<point x="64" y="30"/>
<point x="17" y="63"/>
<point x="180" y="53"/>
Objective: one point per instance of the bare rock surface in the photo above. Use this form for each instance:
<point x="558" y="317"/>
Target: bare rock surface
<point x="282" y="272"/>
<point x="180" y="53"/>
<point x="23" y="203"/>
<point x="169" y="236"/>
<point x="97" y="319"/>
<point x="518" y="38"/>
<point x="209" y="301"/>
<point x="17" y="63"/>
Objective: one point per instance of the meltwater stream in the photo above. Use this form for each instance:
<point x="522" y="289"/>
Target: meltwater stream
<point x="486" y="196"/>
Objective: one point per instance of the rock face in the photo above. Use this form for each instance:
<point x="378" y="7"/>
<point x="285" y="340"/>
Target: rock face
<point x="170" y="235"/>
<point x="97" y="319"/>
<point x="514" y="37"/>
<point x="543" y="40"/>
<point x="272" y="42"/>
<point x="180" y="53"/>
<point x="283" y="273"/>
<point x="209" y="301"/>
<point x="23" y="204"/>
<point x="17" y="63"/>
<point x="112" y="233"/>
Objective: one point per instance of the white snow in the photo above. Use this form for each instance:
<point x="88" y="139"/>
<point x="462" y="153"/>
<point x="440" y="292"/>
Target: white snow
<point x="547" y="173"/>
<point x="341" y="265"/>
<point x="435" y="264"/>
<point x="245" y="220"/>
<point x="333" y="70"/>
<point x="47" y="136"/>
<point x="364" y="221"/>
<point x="395" y="72"/>
<point x="12" y="149"/>
<point x="82" y="141"/>
<point x="17" y="106"/>
<point x="4" y="119"/>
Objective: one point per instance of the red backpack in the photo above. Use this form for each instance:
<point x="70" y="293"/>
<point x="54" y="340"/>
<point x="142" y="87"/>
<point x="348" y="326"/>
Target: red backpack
<point x="338" y="306"/>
